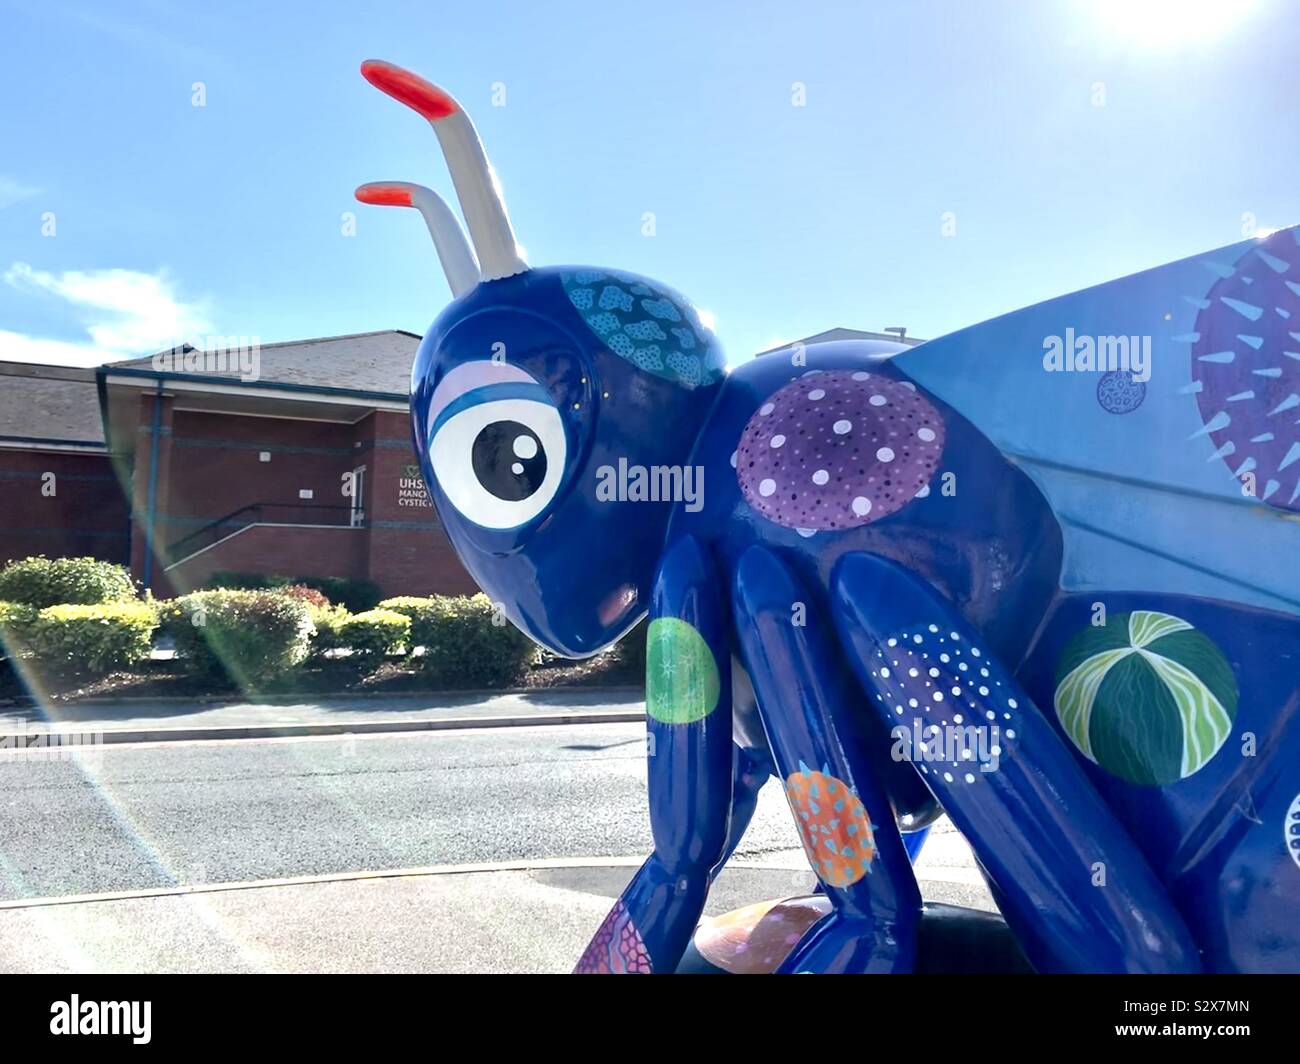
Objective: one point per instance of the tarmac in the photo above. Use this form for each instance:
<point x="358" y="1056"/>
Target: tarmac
<point x="527" y="917"/>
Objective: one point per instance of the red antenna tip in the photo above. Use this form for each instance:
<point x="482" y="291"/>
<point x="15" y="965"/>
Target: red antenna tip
<point x="408" y="88"/>
<point x="382" y="194"/>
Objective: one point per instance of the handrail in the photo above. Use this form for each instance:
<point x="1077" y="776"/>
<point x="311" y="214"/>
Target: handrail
<point x="226" y="525"/>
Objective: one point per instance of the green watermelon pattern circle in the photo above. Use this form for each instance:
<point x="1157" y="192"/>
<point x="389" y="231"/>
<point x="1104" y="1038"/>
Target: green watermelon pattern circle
<point x="681" y="676"/>
<point x="1147" y="697"/>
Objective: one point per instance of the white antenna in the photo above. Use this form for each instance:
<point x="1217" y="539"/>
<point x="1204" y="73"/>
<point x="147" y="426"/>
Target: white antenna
<point x="458" y="261"/>
<point x="471" y="173"/>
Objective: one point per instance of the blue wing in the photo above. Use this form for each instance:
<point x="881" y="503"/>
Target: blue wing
<point x="1160" y="416"/>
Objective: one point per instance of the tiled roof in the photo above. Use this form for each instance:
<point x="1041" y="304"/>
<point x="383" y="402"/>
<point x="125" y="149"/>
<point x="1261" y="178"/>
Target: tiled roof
<point x="365" y="362"/>
<point x="49" y="403"/>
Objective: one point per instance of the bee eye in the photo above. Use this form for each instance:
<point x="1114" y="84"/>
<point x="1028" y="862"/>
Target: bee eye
<point x="499" y="462"/>
<point x="509" y="460"/>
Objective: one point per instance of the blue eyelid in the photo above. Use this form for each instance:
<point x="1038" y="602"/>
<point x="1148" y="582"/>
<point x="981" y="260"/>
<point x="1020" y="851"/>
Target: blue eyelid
<point x="490" y="393"/>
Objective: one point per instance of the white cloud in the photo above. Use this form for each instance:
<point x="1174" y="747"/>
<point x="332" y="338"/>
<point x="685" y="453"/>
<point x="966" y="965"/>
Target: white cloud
<point x="124" y="314"/>
<point x="12" y="191"/>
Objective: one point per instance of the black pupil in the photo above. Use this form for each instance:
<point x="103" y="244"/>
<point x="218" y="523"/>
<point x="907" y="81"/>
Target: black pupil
<point x="509" y="460"/>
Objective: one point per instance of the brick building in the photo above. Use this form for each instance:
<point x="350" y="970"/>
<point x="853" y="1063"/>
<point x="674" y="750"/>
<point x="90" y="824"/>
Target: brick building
<point x="187" y="464"/>
<point x="183" y="467"/>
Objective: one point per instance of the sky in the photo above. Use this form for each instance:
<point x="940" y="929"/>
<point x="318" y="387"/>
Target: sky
<point x="790" y="167"/>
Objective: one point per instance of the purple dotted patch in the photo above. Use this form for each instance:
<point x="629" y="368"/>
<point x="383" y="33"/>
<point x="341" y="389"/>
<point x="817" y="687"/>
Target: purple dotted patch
<point x="837" y="450"/>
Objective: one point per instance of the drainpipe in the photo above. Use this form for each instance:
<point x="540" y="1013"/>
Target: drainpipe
<point x="152" y="505"/>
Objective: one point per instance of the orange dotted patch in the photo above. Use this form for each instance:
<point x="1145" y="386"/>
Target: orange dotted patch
<point x="833" y="825"/>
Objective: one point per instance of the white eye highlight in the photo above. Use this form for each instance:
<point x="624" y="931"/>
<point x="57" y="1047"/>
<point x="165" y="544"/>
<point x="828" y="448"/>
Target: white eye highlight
<point x="499" y="461"/>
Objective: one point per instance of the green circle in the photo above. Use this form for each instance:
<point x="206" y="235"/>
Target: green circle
<point x="1146" y="696"/>
<point x="681" y="675"/>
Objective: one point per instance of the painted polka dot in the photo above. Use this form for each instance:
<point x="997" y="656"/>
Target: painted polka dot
<point x="839" y="450"/>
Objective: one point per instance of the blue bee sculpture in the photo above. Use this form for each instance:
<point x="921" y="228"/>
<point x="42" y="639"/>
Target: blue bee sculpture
<point x="1040" y="574"/>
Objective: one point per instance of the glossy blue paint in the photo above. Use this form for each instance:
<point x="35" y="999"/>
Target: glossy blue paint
<point x="852" y="529"/>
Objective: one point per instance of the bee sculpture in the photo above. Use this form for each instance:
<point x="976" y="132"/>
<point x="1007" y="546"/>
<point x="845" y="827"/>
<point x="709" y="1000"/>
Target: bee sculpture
<point x="1040" y="574"/>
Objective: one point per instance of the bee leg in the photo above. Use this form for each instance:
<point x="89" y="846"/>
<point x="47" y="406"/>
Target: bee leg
<point x="1070" y="881"/>
<point x="690" y="766"/>
<point x="808" y="706"/>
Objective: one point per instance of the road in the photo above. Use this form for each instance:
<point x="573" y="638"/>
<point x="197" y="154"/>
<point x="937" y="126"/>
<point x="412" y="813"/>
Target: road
<point x="158" y="815"/>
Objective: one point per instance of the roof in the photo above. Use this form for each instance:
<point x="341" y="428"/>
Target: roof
<point x="372" y="362"/>
<point x="841" y="333"/>
<point x="49" y="404"/>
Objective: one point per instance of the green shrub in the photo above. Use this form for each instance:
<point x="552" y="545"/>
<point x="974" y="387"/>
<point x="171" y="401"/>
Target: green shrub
<point x="91" y="640"/>
<point x="328" y="621"/>
<point x="247" y="635"/>
<point x="356" y="595"/>
<point x="42" y="582"/>
<point x="424" y="614"/>
<point x="15" y="622"/>
<point x="375" y="633"/>
<point x="467" y="641"/>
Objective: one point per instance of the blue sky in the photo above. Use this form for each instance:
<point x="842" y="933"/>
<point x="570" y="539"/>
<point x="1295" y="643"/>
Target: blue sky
<point x="1068" y="142"/>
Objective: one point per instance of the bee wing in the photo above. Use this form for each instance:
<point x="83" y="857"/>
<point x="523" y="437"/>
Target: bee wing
<point x="1160" y="416"/>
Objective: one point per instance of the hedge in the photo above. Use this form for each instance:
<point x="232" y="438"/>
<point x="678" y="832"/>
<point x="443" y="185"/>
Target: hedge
<point x="90" y="640"/>
<point x="356" y="595"/>
<point x="15" y="620"/>
<point x="467" y="641"/>
<point x="248" y="635"/>
<point x="41" y="582"/>
<point x="328" y="621"/>
<point x="375" y="633"/>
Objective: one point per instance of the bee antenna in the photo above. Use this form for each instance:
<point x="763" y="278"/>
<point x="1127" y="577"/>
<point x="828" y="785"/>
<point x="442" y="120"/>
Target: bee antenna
<point x="458" y="261"/>
<point x="476" y="184"/>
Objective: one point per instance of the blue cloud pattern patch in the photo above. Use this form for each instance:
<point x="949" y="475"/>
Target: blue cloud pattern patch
<point x="652" y="328"/>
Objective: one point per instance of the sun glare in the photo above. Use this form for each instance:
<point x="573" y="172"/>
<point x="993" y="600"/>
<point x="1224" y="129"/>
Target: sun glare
<point x="1164" y="22"/>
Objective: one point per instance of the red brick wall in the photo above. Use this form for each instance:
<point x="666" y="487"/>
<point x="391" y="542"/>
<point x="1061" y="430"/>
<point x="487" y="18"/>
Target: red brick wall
<point x="86" y="514"/>
<point x="283" y="550"/>
<point x="409" y="554"/>
<point x="216" y="468"/>
<point x="208" y="467"/>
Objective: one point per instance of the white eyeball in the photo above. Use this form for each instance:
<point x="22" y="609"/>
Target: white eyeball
<point x="500" y="462"/>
